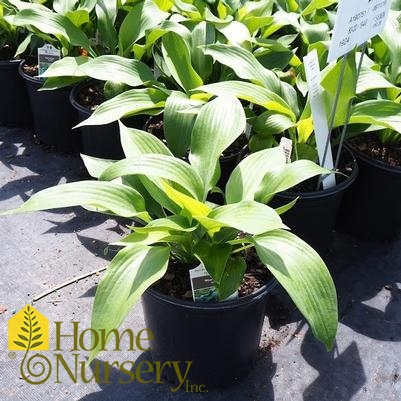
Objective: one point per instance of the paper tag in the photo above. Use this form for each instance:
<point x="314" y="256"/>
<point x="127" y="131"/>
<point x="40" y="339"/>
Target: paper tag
<point x="313" y="77"/>
<point x="356" y="22"/>
<point x="47" y="55"/>
<point x="203" y="288"/>
<point x="286" y="144"/>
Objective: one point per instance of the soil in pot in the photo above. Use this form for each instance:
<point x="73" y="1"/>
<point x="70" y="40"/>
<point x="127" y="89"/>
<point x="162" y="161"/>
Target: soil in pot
<point x="314" y="215"/>
<point x="99" y="140"/>
<point x="371" y="207"/>
<point x="53" y="115"/>
<point x="220" y="338"/>
<point x="14" y="105"/>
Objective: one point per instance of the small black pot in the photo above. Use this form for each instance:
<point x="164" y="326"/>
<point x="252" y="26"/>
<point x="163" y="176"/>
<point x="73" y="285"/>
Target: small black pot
<point x="371" y="208"/>
<point x="314" y="215"/>
<point x="53" y="115"/>
<point x="14" y="105"/>
<point x="101" y="141"/>
<point x="220" y="338"/>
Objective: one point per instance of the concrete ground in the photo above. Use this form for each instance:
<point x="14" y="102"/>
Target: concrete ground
<point x="42" y="250"/>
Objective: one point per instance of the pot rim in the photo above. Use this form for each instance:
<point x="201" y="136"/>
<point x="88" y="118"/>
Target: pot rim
<point x="9" y="62"/>
<point x="372" y="162"/>
<point x="38" y="81"/>
<point x="74" y="92"/>
<point x="329" y="191"/>
<point x="216" y="306"/>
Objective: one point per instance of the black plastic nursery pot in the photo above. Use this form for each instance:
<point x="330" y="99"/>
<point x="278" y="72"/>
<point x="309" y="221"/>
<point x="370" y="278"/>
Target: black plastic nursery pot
<point x="220" y="339"/>
<point x="371" y="208"/>
<point x="53" y="115"/>
<point x="14" y="104"/>
<point x="314" y="215"/>
<point x="101" y="141"/>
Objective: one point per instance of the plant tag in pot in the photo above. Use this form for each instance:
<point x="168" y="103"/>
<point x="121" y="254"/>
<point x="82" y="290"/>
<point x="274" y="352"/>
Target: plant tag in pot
<point x="47" y="55"/>
<point x="312" y="71"/>
<point x="202" y="285"/>
<point x="286" y="144"/>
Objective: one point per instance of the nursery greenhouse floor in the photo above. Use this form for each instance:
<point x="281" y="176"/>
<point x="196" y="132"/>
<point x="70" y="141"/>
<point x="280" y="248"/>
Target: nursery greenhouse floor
<point x="40" y="251"/>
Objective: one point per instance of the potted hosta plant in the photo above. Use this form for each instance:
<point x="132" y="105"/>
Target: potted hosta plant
<point x="14" y="106"/>
<point x="176" y="228"/>
<point x="53" y="116"/>
<point x="371" y="208"/>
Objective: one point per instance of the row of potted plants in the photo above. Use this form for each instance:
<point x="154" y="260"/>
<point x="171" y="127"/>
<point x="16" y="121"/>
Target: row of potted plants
<point x="218" y="78"/>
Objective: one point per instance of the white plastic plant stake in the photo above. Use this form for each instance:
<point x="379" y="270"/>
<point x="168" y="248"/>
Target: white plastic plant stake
<point x="322" y="132"/>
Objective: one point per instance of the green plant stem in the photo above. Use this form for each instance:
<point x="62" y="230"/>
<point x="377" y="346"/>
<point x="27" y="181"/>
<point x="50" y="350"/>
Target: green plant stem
<point x="243" y="248"/>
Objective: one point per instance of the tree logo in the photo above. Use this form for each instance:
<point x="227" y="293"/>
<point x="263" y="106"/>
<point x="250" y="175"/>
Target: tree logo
<point x="29" y="330"/>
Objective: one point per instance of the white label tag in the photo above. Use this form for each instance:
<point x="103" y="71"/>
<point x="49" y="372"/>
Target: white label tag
<point x="313" y="77"/>
<point x="286" y="144"/>
<point x="203" y="288"/>
<point x="356" y="22"/>
<point x="202" y="285"/>
<point x="47" y="55"/>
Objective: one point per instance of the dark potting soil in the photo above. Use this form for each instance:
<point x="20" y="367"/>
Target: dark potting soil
<point x="176" y="282"/>
<point x="156" y="128"/>
<point x="91" y="96"/>
<point x="345" y="170"/>
<point x="370" y="145"/>
<point x="30" y="67"/>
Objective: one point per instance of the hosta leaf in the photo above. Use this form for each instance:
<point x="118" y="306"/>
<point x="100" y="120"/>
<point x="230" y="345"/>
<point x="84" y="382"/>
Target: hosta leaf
<point x="202" y="34"/>
<point x="178" y="124"/>
<point x="52" y="23"/>
<point x="106" y="12"/>
<point x="127" y="103"/>
<point x="103" y="196"/>
<point x="137" y="142"/>
<point x="118" y="69"/>
<point x="130" y="273"/>
<point x="303" y="274"/>
<point x="219" y="123"/>
<point x="161" y="166"/>
<point x="177" y="57"/>
<point x="251" y="93"/>
<point x="244" y="64"/>
<point x="246" y="178"/>
<point x="383" y="113"/>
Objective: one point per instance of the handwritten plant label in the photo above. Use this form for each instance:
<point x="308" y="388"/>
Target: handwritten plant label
<point x="313" y="77"/>
<point x="356" y="22"/>
<point x="286" y="145"/>
<point x="47" y="55"/>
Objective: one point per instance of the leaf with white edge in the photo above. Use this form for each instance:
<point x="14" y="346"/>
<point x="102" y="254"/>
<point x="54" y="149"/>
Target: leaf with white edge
<point x="136" y="142"/>
<point x="303" y="274"/>
<point x="219" y="123"/>
<point x="245" y="180"/>
<point x="105" y="197"/>
<point x="160" y="166"/>
<point x="286" y="177"/>
<point x="251" y="93"/>
<point x="133" y="270"/>
<point x="171" y="223"/>
<point x="127" y="103"/>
